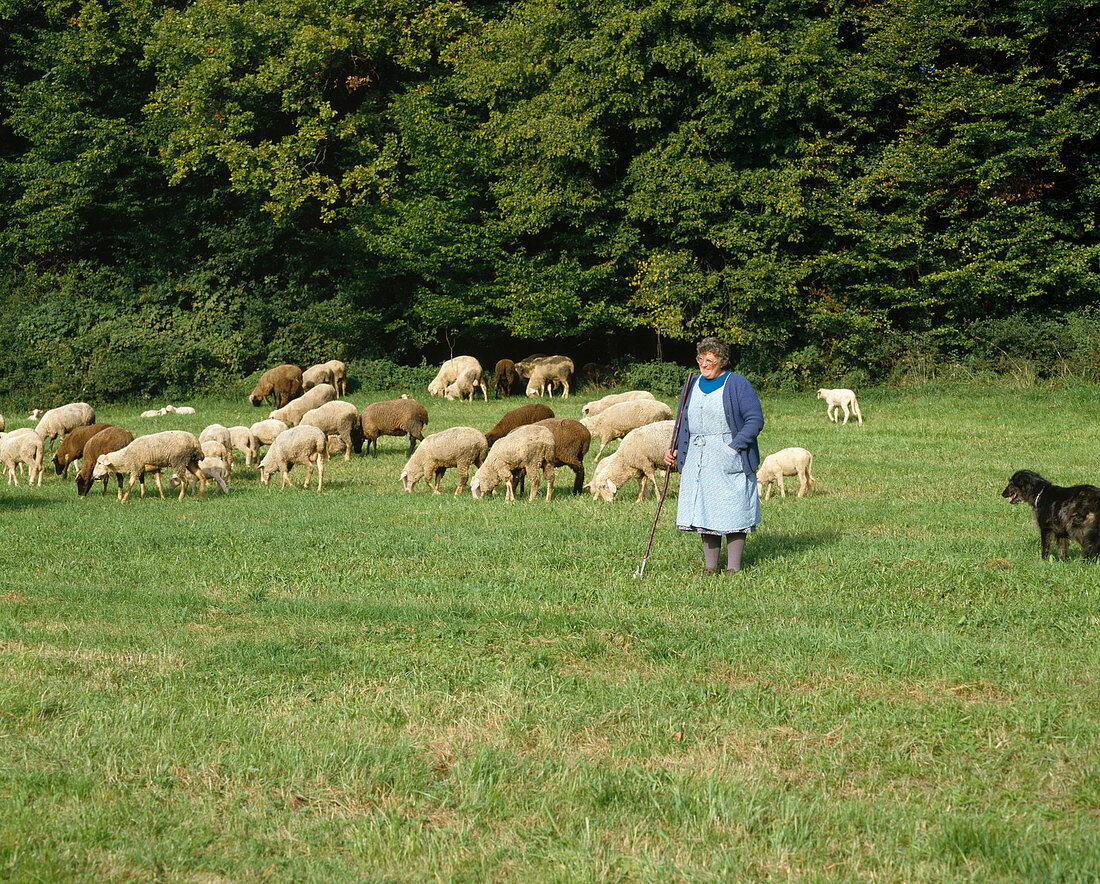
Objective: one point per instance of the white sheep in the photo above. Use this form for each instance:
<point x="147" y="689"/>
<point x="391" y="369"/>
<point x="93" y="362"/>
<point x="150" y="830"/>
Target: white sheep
<point x="267" y="431"/>
<point x="220" y="434"/>
<point x="788" y="462"/>
<point x="305" y="445"/>
<point x="469" y="381"/>
<point x="35" y="415"/>
<point x="458" y="447"/>
<point x="245" y="440"/>
<point x="214" y="448"/>
<point x="528" y="449"/>
<point x="449" y="372"/>
<point x="837" y="399"/>
<point x="177" y="449"/>
<point x="155" y="412"/>
<point x="317" y="374"/>
<point x="338" y="418"/>
<point x="56" y="422"/>
<point x="639" y="456"/>
<point x="211" y="467"/>
<point x="598" y="405"/>
<point x="22" y="447"/>
<point x="183" y="409"/>
<point x="550" y="372"/>
<point x="291" y="414"/>
<point x="339" y="376"/>
<point x="618" y="420"/>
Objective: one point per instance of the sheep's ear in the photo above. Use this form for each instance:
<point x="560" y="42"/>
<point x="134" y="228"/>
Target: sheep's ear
<point x="611" y="486"/>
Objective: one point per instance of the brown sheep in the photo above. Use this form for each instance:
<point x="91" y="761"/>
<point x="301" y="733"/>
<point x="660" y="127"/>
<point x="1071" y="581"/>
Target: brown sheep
<point x="72" y="448"/>
<point x="105" y="441"/>
<point x="394" y="417"/>
<point x="518" y="417"/>
<point x="282" y="383"/>
<point x="505" y="375"/>
<point x="571" y="442"/>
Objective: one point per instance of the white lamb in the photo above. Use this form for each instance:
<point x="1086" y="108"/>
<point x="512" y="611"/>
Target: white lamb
<point x="220" y="434"/>
<point x="211" y="467"/>
<point x="305" y="445"/>
<point x="449" y="372"/>
<point x="458" y="447"/>
<point x="469" y="381"/>
<point x="56" y="422"/>
<point x="639" y="456"/>
<point x="340" y="419"/>
<point x="214" y="448"/>
<point x="618" y="420"/>
<point x="525" y="450"/>
<point x="599" y="405"/>
<point x="292" y="413"/>
<point x="177" y="449"/>
<point x="245" y="440"/>
<point x="837" y="399"/>
<point x="22" y="447"/>
<point x="548" y="373"/>
<point x="788" y="462"/>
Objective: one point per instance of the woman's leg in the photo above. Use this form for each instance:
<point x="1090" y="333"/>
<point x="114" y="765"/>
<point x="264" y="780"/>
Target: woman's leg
<point x="712" y="548"/>
<point x="735" y="546"/>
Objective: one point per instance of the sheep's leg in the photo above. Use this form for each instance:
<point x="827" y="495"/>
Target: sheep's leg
<point x="565" y="395"/>
<point x="320" y="471"/>
<point x="847" y="413"/>
<point x="603" y="445"/>
<point x="160" y="488"/>
<point x="463" y="476"/>
<point x="548" y="475"/>
<point x="508" y="484"/>
<point x="802" y="484"/>
<point x="130" y="487"/>
<point x="779" y="482"/>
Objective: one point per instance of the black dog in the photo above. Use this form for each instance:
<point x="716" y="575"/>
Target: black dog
<point x="1061" y="513"/>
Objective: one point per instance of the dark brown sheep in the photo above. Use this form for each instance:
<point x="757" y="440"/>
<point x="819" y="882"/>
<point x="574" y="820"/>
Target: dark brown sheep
<point x="571" y="442"/>
<point x="283" y="383"/>
<point x="103" y="442"/>
<point x="72" y="448"/>
<point x="518" y="417"/>
<point x="394" y="417"/>
<point x="506" y="375"/>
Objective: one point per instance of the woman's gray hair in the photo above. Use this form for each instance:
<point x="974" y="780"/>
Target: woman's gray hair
<point x="716" y="348"/>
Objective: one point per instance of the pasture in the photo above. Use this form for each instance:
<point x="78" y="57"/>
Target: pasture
<point x="367" y="684"/>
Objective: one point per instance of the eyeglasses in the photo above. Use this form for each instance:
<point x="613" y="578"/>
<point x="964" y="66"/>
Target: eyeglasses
<point x="707" y="362"/>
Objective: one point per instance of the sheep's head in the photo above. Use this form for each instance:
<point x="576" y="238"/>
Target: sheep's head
<point x="820" y="394"/>
<point x="476" y="488"/>
<point x="265" y="473"/>
<point x="103" y="467"/>
<point x="405" y="480"/>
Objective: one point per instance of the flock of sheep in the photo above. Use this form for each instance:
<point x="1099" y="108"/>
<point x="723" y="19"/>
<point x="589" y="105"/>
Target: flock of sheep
<point x="310" y="423"/>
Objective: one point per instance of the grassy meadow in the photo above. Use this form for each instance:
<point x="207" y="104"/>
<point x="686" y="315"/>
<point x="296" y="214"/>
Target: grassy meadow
<point x="364" y="684"/>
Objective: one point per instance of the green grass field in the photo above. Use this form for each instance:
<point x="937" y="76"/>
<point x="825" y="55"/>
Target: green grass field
<point x="367" y="684"/>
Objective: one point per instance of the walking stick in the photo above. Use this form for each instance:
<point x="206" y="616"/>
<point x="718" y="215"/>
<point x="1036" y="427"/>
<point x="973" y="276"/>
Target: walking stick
<point x="668" y="474"/>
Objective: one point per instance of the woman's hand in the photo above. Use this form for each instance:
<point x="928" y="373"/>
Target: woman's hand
<point x="670" y="457"/>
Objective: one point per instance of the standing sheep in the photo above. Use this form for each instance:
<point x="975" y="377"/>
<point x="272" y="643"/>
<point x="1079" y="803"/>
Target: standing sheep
<point x="639" y="456"/>
<point x="550" y="372"/>
<point x="282" y="383"/>
<point x="571" y="442"/>
<point x="458" y="447"/>
<point x="56" y="422"/>
<point x="394" y="417"/>
<point x="317" y="374"/>
<point x="73" y="447"/>
<point x="525" y="366"/>
<point x="212" y="467"/>
<point x="245" y="440"/>
<point x="598" y="405"/>
<point x="528" y="448"/>
<point x="103" y="442"/>
<point x="304" y="445"/>
<point x="220" y="434"/>
<point x="788" y="462"/>
<point x="291" y="414"/>
<point x="339" y="376"/>
<point x="22" y="448"/>
<point x="449" y="372"/>
<point x="505" y="376"/>
<point x="518" y="417"/>
<point x="267" y="431"/>
<point x="618" y="420"/>
<point x="340" y="419"/>
<point x="469" y="381"/>
<point x="177" y="449"/>
<point x="837" y="399"/>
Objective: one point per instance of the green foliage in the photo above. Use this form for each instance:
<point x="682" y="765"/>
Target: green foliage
<point x="373" y="375"/>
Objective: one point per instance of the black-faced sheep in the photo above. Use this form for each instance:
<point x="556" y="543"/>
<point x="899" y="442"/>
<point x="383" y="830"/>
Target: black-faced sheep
<point x="548" y="373"/>
<point x="618" y="420"/>
<point x="22" y="448"/>
<point x="394" y="417"/>
<point x="303" y="445"/>
<point x="56" y="422"/>
<point x="292" y="413"/>
<point x="282" y="383"/>
<point x="317" y="374"/>
<point x="72" y="448"/>
<point x="529" y="449"/>
<point x="505" y="376"/>
<point x="449" y="372"/>
<point x="640" y="455"/>
<point x="598" y="405"/>
<point x="787" y="462"/>
<point x="518" y="417"/>
<point x="103" y="442"/>
<point x="176" y="449"/>
<point x="339" y="419"/>
<point x="458" y="447"/>
<point x="571" y="442"/>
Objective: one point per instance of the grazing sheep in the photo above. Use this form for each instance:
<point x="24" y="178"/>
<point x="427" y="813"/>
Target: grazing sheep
<point x="212" y="467"/>
<point x="598" y="405"/>
<point x="22" y="448"/>
<point x="304" y="445"/>
<point x="469" y="381"/>
<point x="177" y="449"/>
<point x="458" y="447"/>
<point x="571" y="442"/>
<point x="525" y="366"/>
<point x="550" y="372"/>
<point x="394" y="417"/>
<point x="282" y="383"/>
<point x="56" y="422"/>
<point x="317" y="374"/>
<point x="838" y="399"/>
<point x="218" y="433"/>
<point x="291" y="414"/>
<point x="788" y="462"/>
<point x="449" y="372"/>
<point x="73" y="447"/>
<point x="518" y="417"/>
<point x="639" y="456"/>
<point x="214" y="448"/>
<point x="339" y="376"/>
<point x="618" y="420"/>
<point x="340" y="419"/>
<point x="245" y="440"/>
<point x="267" y="431"/>
<point x="528" y="448"/>
<point x="505" y="376"/>
<point x="103" y="442"/>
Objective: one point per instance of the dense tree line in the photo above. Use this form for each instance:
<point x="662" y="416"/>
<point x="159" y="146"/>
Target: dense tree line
<point x="196" y="189"/>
